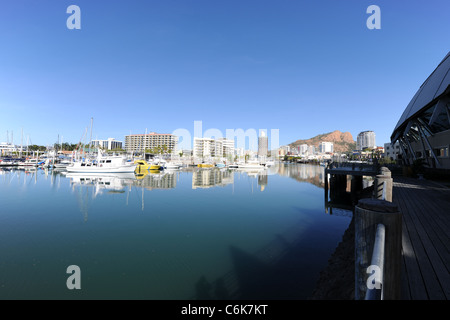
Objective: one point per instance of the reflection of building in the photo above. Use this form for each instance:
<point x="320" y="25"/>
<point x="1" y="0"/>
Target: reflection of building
<point x="108" y="144"/>
<point x="423" y="131"/>
<point x="365" y="139"/>
<point x="161" y="180"/>
<point x="263" y="145"/>
<point x="310" y="173"/>
<point x="211" y="178"/>
<point x="263" y="180"/>
<point x="139" y="142"/>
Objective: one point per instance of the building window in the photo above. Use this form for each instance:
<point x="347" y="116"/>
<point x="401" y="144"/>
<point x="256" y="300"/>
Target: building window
<point x="441" y="152"/>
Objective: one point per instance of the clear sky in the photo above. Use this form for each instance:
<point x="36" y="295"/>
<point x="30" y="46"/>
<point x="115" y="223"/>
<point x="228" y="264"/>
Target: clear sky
<point x="301" y="66"/>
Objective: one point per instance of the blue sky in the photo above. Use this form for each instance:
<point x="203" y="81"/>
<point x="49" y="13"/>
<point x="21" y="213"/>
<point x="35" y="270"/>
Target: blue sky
<point x="303" y="67"/>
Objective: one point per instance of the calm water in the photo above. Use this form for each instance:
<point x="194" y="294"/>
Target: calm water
<point x="194" y="233"/>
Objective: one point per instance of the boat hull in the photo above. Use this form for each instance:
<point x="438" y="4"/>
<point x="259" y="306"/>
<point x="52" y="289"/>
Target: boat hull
<point x="123" y="169"/>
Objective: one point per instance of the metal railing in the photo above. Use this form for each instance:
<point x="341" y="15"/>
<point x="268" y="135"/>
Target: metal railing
<point x="375" y="292"/>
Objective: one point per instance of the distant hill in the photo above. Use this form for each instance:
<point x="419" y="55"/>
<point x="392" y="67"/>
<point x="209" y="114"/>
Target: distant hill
<point x="342" y="141"/>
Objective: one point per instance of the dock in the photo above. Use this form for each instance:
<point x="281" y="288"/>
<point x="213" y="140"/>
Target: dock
<point x="425" y="207"/>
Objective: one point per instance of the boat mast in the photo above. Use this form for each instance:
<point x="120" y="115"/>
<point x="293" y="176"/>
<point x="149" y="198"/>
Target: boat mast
<point x="21" y="145"/>
<point x="90" y="141"/>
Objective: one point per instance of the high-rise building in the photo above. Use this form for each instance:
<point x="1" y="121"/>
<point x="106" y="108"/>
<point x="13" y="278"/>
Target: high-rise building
<point x="109" y="144"/>
<point x="141" y="142"/>
<point x="365" y="139"/>
<point x="263" y="145"/>
<point x="228" y="147"/>
<point x="207" y="147"/>
<point x="325" y="147"/>
<point x="303" y="148"/>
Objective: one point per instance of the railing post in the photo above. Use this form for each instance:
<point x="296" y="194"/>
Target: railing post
<point x="368" y="214"/>
<point x="382" y="187"/>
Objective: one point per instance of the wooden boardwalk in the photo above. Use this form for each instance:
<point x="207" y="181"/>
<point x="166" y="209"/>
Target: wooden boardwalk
<point x="425" y="206"/>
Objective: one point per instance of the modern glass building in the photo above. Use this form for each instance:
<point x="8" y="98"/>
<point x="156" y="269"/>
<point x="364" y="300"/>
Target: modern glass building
<point x="423" y="131"/>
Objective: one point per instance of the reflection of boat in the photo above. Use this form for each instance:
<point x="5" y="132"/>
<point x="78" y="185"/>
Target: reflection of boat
<point x="103" y="164"/>
<point x="205" y="165"/>
<point x="172" y="166"/>
<point x="114" y="182"/>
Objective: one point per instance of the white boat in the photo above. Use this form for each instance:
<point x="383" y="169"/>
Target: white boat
<point x="34" y="162"/>
<point x="103" y="164"/>
<point x="62" y="164"/>
<point x="270" y="163"/>
<point x="251" y="164"/>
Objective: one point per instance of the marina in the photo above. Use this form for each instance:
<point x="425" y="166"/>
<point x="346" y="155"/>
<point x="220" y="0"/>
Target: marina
<point x="166" y="234"/>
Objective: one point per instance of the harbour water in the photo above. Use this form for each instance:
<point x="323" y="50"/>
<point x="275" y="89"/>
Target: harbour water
<point x="185" y="234"/>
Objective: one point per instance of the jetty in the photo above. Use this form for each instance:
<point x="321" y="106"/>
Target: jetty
<point x="401" y="229"/>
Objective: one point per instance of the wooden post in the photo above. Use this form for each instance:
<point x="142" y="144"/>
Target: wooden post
<point x="368" y="214"/>
<point x="383" y="187"/>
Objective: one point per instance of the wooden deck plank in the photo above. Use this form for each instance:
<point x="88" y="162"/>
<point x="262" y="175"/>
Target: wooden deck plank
<point x="414" y="276"/>
<point x="438" y="237"/>
<point x="425" y="238"/>
<point x="430" y="262"/>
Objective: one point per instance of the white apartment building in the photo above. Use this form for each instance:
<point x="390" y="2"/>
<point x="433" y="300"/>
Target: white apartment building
<point x="365" y="139"/>
<point x="228" y="147"/>
<point x="140" y="142"/>
<point x="325" y="147"/>
<point x="207" y="148"/>
<point x="302" y="149"/>
<point x="108" y="144"/>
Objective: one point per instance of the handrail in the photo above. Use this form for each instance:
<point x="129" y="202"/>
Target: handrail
<point x="375" y="292"/>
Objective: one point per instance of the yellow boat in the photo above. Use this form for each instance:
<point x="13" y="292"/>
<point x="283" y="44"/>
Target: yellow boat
<point x="205" y="165"/>
<point x="142" y="166"/>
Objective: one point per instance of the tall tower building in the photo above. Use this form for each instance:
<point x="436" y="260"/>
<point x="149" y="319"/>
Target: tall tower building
<point x="365" y="139"/>
<point x="263" y="145"/>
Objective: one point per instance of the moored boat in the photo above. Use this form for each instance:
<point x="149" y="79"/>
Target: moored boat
<point x="103" y="164"/>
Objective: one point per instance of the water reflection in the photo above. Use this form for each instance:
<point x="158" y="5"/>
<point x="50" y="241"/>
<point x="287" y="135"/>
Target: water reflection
<point x="207" y="178"/>
<point x="304" y="173"/>
<point x="111" y="183"/>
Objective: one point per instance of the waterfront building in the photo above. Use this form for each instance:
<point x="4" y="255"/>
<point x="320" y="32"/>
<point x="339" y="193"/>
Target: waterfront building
<point x="326" y="147"/>
<point x="8" y="148"/>
<point x="423" y="131"/>
<point x="108" y="144"/>
<point x="140" y="142"/>
<point x="263" y="145"/>
<point x="207" y="148"/>
<point x="303" y="149"/>
<point x="366" y="139"/>
<point x="228" y="147"/>
<point x="311" y="150"/>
